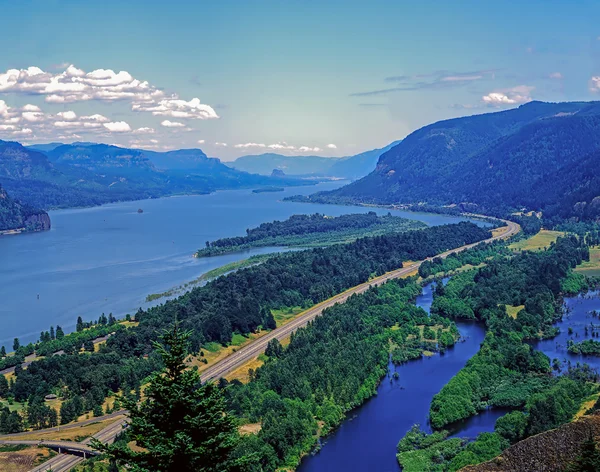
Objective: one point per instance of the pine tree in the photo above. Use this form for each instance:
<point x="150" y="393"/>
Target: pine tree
<point x="59" y="332"/>
<point x="16" y="344"/>
<point x="181" y="424"/>
<point x="80" y="325"/>
<point x="588" y="460"/>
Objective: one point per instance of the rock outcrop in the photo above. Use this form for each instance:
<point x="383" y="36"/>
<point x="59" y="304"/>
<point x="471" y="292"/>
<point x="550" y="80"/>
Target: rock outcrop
<point x="550" y="451"/>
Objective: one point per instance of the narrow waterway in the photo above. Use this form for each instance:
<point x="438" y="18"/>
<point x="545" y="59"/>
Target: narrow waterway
<point x="367" y="440"/>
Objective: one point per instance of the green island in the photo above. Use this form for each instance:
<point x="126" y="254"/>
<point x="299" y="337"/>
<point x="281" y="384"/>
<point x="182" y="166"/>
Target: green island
<point x="268" y="189"/>
<point x="311" y="231"/>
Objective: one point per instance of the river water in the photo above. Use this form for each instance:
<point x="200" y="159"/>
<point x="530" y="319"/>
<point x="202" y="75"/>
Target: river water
<point x="367" y="440"/>
<point x="109" y="258"/>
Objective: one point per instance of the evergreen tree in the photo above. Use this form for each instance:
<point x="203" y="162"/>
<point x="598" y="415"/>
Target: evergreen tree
<point x="59" y="332"/>
<point x="16" y="344"/>
<point x="589" y="459"/>
<point x="2" y="351"/>
<point x="80" y="324"/>
<point x="52" y="335"/>
<point x="182" y="424"/>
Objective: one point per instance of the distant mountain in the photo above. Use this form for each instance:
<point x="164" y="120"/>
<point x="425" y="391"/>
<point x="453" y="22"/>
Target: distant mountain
<point x="357" y="166"/>
<point x="44" y="147"/>
<point x="350" y="167"/>
<point x="292" y="165"/>
<point x="541" y="156"/>
<point x="184" y="159"/>
<point x="83" y="174"/>
<point x="15" y="216"/>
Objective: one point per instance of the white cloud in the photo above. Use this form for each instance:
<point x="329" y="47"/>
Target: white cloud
<point x="283" y="146"/>
<point x="331" y="146"/>
<point x="512" y="96"/>
<point x="249" y="145"/>
<point x="201" y="141"/>
<point x="76" y="85"/>
<point x="176" y="108"/>
<point x="171" y="124"/>
<point x="30" y="107"/>
<point x="117" y="127"/>
<point x="220" y="144"/>
<point x="144" y="130"/>
<point x="67" y="115"/>
<point x="556" y="75"/>
<point x="594" y="84"/>
<point x="308" y="149"/>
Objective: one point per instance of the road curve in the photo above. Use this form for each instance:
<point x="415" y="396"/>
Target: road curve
<point x="248" y="352"/>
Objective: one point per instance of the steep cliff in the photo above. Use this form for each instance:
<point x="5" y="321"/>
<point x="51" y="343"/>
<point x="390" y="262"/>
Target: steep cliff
<point x="16" y="217"/>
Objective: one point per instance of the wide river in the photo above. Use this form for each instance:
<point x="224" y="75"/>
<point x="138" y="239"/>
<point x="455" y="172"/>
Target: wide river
<point x="109" y="258"/>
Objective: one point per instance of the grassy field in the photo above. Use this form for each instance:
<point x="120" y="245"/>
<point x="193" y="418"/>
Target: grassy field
<point x="22" y="459"/>
<point x="71" y="434"/>
<point x="512" y="311"/>
<point x="591" y="268"/>
<point x="538" y="242"/>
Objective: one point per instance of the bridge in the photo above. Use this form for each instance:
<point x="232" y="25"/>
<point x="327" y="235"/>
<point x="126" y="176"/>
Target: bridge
<point x="69" y="447"/>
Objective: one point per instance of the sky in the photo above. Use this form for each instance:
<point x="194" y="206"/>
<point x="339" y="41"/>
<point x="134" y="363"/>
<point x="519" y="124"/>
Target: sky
<point x="331" y="78"/>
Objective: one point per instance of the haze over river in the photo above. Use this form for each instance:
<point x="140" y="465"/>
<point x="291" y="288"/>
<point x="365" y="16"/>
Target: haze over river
<point x="109" y="258"/>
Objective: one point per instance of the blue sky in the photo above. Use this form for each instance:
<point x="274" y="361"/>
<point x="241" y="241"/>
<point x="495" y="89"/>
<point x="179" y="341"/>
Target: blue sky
<point x="299" y="77"/>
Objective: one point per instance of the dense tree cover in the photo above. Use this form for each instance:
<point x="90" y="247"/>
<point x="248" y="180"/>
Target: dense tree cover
<point x="10" y="422"/>
<point x="14" y="215"/>
<point x="239" y="302"/>
<point x="236" y="302"/>
<point x="475" y="256"/>
<point x="589" y="347"/>
<point x="589" y="458"/>
<point x="506" y="371"/>
<point x="329" y="367"/>
<point x="181" y="424"/>
<point x="300" y="230"/>
<point x="541" y="156"/>
<point x="419" y="452"/>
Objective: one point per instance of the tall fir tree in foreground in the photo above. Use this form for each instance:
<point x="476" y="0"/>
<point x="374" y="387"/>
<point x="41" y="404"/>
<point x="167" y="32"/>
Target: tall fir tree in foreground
<point x="181" y="424"/>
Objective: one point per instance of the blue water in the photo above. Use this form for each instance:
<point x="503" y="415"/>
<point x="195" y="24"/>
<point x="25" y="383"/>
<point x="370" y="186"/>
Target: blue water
<point x="109" y="258"/>
<point x="577" y="316"/>
<point x="367" y="440"/>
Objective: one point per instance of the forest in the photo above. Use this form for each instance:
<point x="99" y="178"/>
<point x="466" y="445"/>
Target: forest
<point x="311" y="230"/>
<point x="240" y="302"/>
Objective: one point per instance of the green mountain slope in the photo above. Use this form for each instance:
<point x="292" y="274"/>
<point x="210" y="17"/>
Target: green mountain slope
<point x="497" y="162"/>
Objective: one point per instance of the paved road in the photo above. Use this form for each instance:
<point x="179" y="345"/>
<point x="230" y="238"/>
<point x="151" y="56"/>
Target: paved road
<point x="248" y="352"/>
<point x="64" y="427"/>
<point x="65" y="462"/>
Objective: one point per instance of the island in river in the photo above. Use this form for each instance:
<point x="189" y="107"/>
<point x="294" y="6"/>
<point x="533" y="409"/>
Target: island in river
<point x="311" y="231"/>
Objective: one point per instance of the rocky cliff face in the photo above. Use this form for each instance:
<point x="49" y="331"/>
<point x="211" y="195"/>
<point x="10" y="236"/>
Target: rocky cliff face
<point x="18" y="218"/>
<point x="38" y="222"/>
<point x="551" y="451"/>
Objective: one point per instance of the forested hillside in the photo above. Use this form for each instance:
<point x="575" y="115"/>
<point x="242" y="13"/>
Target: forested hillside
<point x="15" y="216"/>
<point x="540" y="156"/>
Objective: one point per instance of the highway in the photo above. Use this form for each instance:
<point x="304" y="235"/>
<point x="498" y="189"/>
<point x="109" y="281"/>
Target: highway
<point x="248" y="352"/>
<point x="65" y="462"/>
